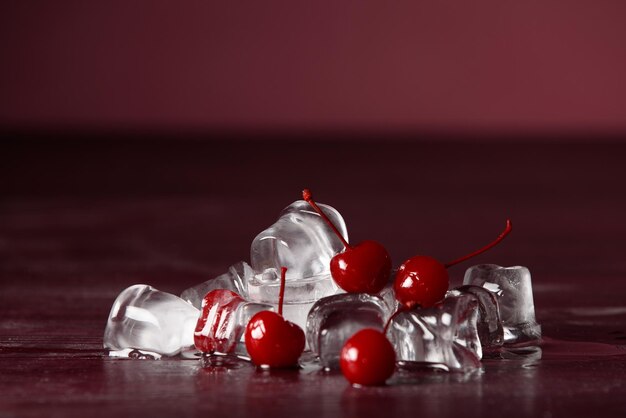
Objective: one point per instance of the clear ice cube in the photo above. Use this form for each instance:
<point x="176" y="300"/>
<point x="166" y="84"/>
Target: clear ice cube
<point x="223" y="321"/>
<point x="146" y="319"/>
<point x="300" y="295"/>
<point x="334" y="319"/>
<point x="301" y="241"/>
<point x="513" y="289"/>
<point x="444" y="335"/>
<point x="488" y="324"/>
<point x="235" y="279"/>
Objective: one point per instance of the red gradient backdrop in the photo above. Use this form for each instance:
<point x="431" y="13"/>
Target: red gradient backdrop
<point x="470" y="66"/>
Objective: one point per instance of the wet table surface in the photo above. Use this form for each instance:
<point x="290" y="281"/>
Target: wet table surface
<point x="82" y="219"/>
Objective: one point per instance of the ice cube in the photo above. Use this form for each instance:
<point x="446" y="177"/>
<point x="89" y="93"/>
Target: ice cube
<point x="223" y="321"/>
<point x="443" y="335"/>
<point x="334" y="319"/>
<point x="301" y="241"/>
<point x="513" y="289"/>
<point x="300" y="295"/>
<point x="235" y="279"/>
<point x="488" y="324"/>
<point x="146" y="319"/>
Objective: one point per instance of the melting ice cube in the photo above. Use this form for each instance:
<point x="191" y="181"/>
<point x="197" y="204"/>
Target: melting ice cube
<point x="445" y="334"/>
<point x="301" y="241"/>
<point x="334" y="319"/>
<point x="488" y="324"/>
<point x="146" y="319"/>
<point x="513" y="289"/>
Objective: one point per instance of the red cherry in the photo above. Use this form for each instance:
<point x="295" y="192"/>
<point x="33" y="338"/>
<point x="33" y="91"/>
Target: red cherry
<point x="367" y="358"/>
<point x="363" y="268"/>
<point x="213" y="333"/>
<point x="423" y="281"/>
<point x="271" y="340"/>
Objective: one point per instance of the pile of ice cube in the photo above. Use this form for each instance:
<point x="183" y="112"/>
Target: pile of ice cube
<point x="493" y="309"/>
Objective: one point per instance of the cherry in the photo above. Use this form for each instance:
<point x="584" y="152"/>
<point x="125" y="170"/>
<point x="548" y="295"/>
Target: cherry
<point x="363" y="268"/>
<point x="423" y="281"/>
<point x="367" y="358"/>
<point x="271" y="340"/>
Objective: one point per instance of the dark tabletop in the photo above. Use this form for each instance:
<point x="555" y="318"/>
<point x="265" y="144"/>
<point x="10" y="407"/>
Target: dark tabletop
<point x="82" y="218"/>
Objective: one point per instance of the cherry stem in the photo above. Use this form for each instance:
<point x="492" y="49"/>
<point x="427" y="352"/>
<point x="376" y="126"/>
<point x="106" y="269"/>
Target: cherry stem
<point x="502" y="235"/>
<point x="308" y="197"/>
<point x="401" y="309"/>
<point x="281" y="294"/>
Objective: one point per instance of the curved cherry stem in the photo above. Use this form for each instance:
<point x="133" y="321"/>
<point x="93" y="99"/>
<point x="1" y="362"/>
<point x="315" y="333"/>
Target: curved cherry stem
<point x="502" y="235"/>
<point x="308" y="197"/>
<point x="281" y="295"/>
<point x="401" y="309"/>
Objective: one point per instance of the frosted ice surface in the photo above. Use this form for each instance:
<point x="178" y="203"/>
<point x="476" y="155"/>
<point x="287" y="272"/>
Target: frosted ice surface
<point x="513" y="289"/>
<point x="146" y="319"/>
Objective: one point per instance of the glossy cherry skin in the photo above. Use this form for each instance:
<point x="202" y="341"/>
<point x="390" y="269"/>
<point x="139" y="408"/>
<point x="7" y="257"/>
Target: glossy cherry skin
<point x="273" y="341"/>
<point x="422" y="281"/>
<point x="367" y="358"/>
<point x="364" y="268"/>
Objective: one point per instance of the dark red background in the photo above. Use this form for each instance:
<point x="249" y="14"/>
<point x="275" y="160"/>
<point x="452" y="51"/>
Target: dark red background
<point x="504" y="66"/>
